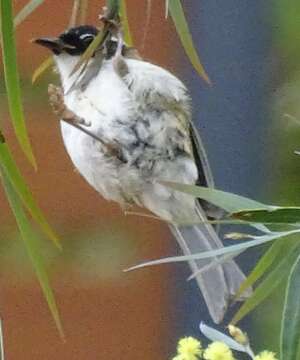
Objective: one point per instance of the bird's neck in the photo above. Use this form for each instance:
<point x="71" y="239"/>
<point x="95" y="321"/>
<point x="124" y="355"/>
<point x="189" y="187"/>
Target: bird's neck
<point x="65" y="65"/>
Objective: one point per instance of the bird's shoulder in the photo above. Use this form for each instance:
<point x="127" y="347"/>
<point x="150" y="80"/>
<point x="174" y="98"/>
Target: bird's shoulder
<point x="145" y="77"/>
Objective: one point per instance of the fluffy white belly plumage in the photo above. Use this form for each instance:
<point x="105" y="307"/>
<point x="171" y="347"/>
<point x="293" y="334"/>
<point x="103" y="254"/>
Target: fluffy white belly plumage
<point x="139" y="114"/>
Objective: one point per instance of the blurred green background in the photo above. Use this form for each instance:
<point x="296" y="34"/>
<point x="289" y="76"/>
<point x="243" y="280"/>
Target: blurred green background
<point x="284" y="114"/>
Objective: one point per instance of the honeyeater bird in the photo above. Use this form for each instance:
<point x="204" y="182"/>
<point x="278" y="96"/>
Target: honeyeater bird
<point x="127" y="127"/>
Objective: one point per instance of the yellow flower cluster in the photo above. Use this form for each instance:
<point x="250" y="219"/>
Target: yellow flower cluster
<point x="266" y="355"/>
<point x="218" y="351"/>
<point x="188" y="348"/>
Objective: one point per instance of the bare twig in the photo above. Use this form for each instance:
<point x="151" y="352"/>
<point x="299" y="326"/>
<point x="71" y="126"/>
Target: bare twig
<point x="74" y="13"/>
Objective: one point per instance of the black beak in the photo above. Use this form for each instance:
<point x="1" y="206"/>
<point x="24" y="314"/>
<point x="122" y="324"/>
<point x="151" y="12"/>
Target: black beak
<point x="54" y="44"/>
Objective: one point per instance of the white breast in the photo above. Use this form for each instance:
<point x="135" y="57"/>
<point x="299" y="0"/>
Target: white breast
<point x="106" y="99"/>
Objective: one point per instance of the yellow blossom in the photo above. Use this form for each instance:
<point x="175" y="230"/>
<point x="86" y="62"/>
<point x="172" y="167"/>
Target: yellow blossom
<point x="266" y="355"/>
<point x="188" y="348"/>
<point x="218" y="351"/>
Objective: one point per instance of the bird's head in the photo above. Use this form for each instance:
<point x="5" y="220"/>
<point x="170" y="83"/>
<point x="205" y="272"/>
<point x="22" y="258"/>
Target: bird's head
<point x="68" y="47"/>
<point x="72" y="42"/>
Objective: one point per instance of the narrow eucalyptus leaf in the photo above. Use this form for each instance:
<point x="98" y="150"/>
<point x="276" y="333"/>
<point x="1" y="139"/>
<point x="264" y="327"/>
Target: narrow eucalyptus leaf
<point x="230" y="202"/>
<point x="12" y="82"/>
<point x="215" y="262"/>
<point x="12" y="172"/>
<point x="83" y="12"/>
<point x="42" y="68"/>
<point x="259" y="240"/>
<point x="33" y="249"/>
<point x="125" y="23"/>
<point x="26" y="11"/>
<point x="176" y="11"/>
<point x="275" y="215"/>
<point x="262" y="266"/>
<point x="112" y="13"/>
<point x="114" y="7"/>
<point x="290" y="325"/>
<point x="99" y="38"/>
<point x="269" y="284"/>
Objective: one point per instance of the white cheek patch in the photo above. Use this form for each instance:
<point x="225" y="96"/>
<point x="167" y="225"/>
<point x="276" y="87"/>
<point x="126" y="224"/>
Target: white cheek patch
<point x="87" y="36"/>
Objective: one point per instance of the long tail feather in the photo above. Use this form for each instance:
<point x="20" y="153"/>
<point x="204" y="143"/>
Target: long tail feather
<point x="221" y="282"/>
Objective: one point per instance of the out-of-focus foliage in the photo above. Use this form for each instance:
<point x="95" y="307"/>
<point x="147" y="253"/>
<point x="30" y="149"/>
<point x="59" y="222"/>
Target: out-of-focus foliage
<point x="286" y="131"/>
<point x="126" y="29"/>
<point x="26" y="11"/>
<point x="33" y="248"/>
<point x="286" y="33"/>
<point x="11" y="171"/>
<point x="291" y="316"/>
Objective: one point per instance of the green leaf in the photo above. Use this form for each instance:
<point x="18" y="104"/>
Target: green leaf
<point x="113" y="6"/>
<point x="32" y="247"/>
<point x="40" y="70"/>
<point x="274" y="215"/>
<point x="83" y="11"/>
<point x="12" y="172"/>
<point x="290" y="325"/>
<point x="262" y="266"/>
<point x="268" y="285"/>
<point x="177" y="14"/>
<point x="12" y="79"/>
<point x="258" y="240"/>
<point x="26" y="11"/>
<point x="213" y="263"/>
<point x="225" y="200"/>
<point x="99" y="38"/>
<point x="125" y="23"/>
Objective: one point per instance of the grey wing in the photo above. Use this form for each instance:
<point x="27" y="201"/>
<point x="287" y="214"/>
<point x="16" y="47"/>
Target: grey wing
<point x="205" y="177"/>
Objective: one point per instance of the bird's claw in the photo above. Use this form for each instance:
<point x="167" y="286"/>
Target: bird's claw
<point x="56" y="99"/>
<point x="57" y="102"/>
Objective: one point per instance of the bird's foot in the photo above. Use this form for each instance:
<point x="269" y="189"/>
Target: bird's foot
<point x="56" y="100"/>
